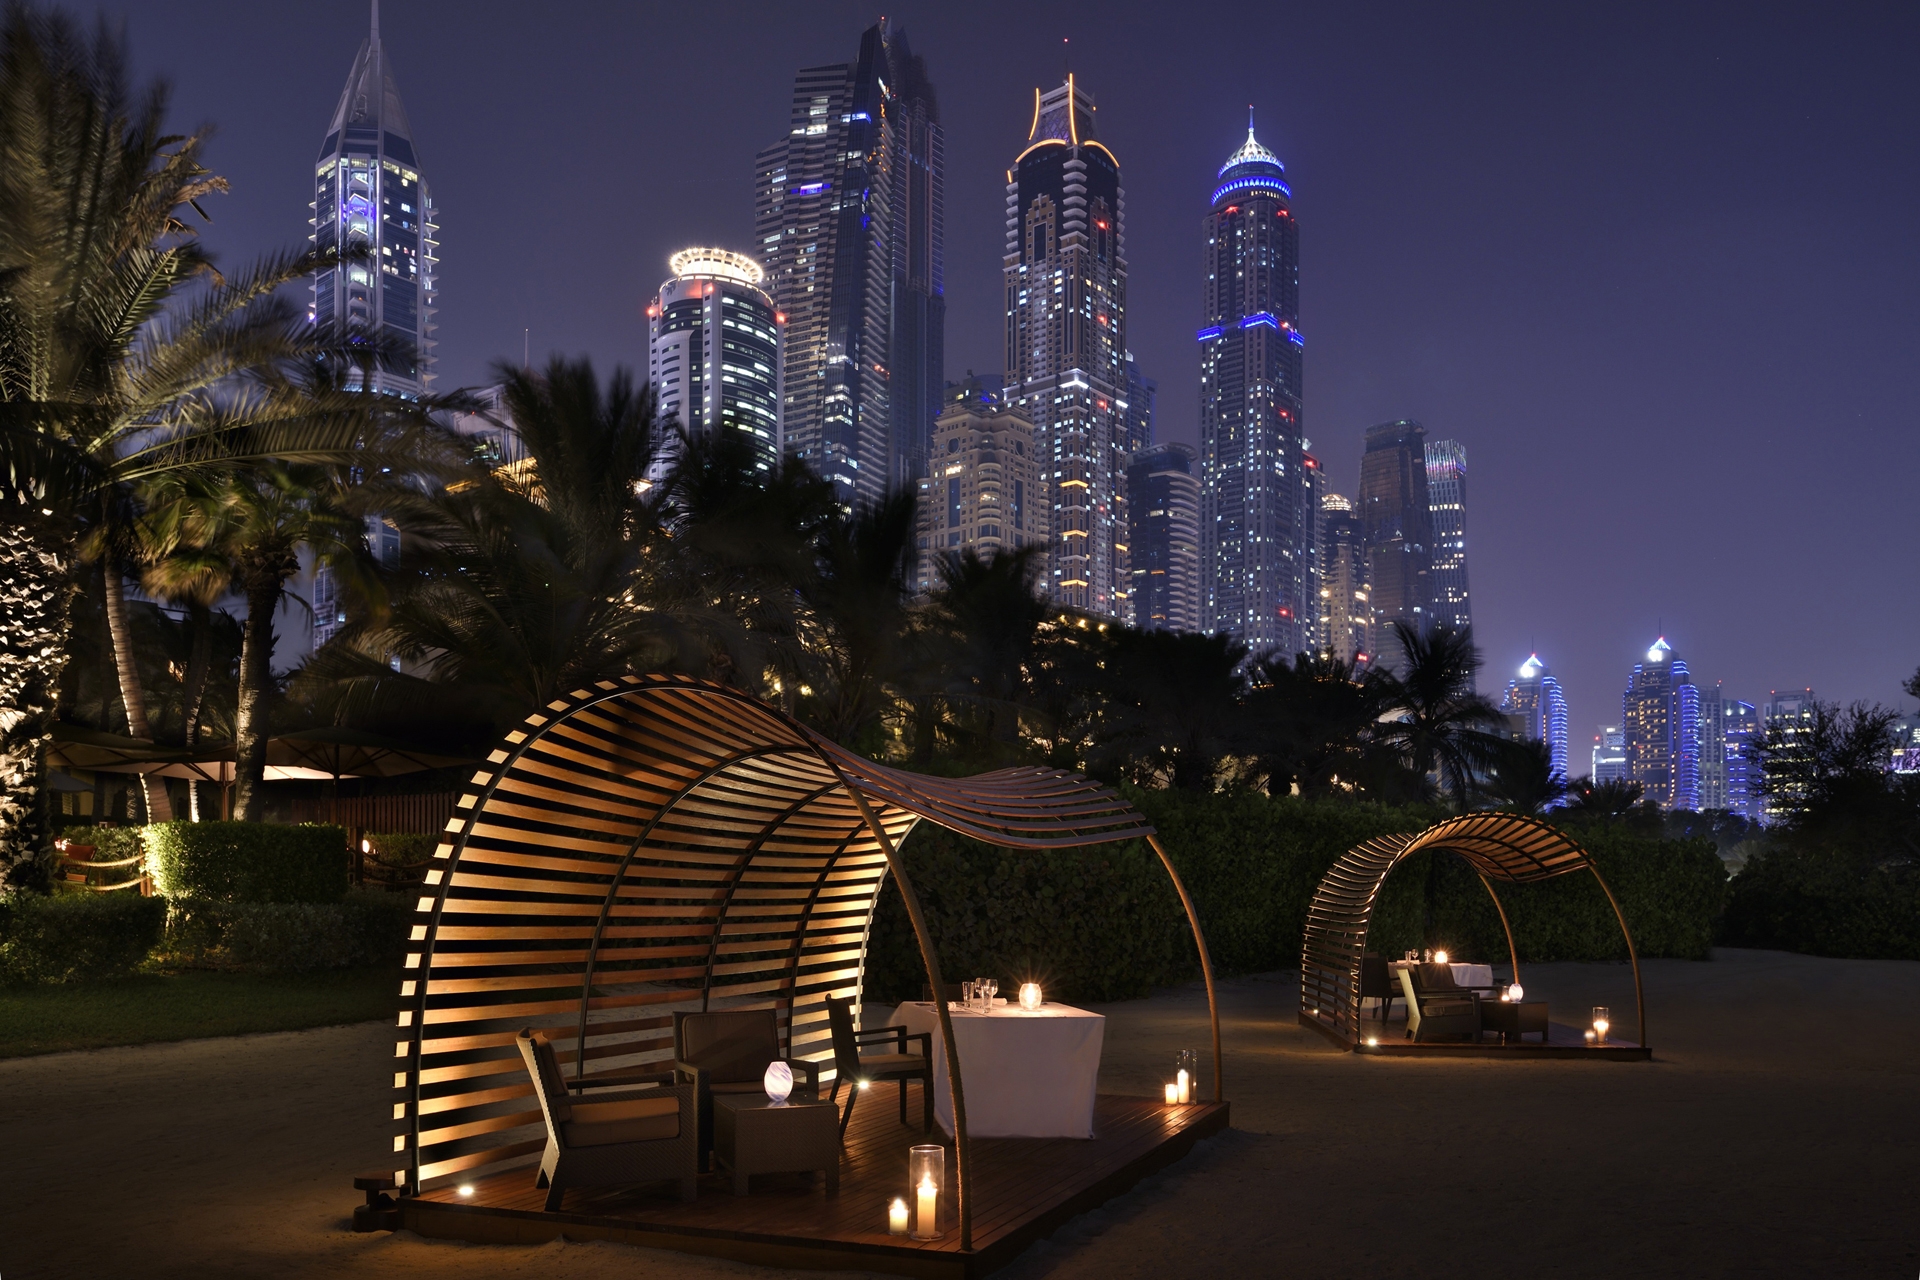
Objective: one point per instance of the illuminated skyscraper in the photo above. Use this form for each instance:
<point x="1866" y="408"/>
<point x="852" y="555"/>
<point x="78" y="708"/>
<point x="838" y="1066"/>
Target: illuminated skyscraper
<point x="1789" y="717"/>
<point x="981" y="484"/>
<point x="1141" y="392"/>
<point x="1661" y="715"/>
<point x="1065" y="274"/>
<point x="849" y="215"/>
<point x="1447" y="506"/>
<point x="714" y="350"/>
<point x="1163" y="508"/>
<point x="1256" y="517"/>
<point x="369" y="191"/>
<point x="1346" y="610"/>
<point x="1397" y="520"/>
<point x="1740" y="748"/>
<point x="1610" y="755"/>
<point x="1536" y="708"/>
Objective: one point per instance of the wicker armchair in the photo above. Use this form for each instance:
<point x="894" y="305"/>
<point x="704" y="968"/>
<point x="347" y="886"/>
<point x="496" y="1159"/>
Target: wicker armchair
<point x="728" y="1052"/>
<point x="1376" y="982"/>
<point x="857" y="1070"/>
<point x="602" y="1139"/>
<point x="1436" y="1006"/>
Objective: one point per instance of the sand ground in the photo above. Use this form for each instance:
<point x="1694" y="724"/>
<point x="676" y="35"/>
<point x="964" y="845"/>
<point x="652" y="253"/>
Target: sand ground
<point x="1776" y="1134"/>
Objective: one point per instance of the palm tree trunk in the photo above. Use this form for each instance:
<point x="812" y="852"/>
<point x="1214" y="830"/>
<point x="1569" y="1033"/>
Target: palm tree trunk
<point x="251" y="719"/>
<point x="194" y="695"/>
<point x="132" y="693"/>
<point x="34" y="599"/>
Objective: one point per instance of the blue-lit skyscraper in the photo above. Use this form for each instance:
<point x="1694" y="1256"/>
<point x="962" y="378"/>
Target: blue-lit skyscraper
<point x="1740" y="738"/>
<point x="1256" y="518"/>
<point x="714" y="353"/>
<point x="1447" y="503"/>
<point x="1536" y="708"/>
<point x="369" y="191"/>
<point x="1661" y="717"/>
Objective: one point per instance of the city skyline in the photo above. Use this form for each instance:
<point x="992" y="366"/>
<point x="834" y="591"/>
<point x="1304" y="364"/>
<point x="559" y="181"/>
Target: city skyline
<point x="1490" y="318"/>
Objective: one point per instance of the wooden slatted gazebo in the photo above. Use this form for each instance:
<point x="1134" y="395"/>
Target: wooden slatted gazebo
<point x="1499" y="846"/>
<point x="659" y="844"/>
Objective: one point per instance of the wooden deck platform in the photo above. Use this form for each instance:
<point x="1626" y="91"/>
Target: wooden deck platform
<point x="1388" y="1040"/>
<point x="1023" y="1190"/>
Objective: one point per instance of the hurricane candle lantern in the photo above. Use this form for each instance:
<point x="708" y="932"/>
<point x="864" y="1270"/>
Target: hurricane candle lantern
<point x="1030" y="996"/>
<point x="1439" y="957"/>
<point x="926" y="1174"/>
<point x="1186" y="1068"/>
<point x="1602" y="1019"/>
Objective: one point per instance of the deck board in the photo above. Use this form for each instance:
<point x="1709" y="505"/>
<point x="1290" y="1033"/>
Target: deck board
<point x="1024" y="1188"/>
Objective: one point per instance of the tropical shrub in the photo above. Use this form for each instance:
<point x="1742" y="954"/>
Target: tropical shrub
<point x="73" y="937"/>
<point x="247" y="861"/>
<point x="1793" y="900"/>
<point x="363" y="928"/>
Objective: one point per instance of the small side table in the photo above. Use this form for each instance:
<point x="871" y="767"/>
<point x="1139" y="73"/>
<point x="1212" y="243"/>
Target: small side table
<point x="751" y="1135"/>
<point x="1514" y="1018"/>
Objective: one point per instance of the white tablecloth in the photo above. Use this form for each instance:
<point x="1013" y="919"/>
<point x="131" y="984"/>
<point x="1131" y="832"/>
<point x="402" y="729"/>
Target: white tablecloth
<point x="1464" y="975"/>
<point x="1028" y="1075"/>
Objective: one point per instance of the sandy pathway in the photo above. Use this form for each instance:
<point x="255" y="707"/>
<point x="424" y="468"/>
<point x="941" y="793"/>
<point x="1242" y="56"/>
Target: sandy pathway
<point x="1774" y="1136"/>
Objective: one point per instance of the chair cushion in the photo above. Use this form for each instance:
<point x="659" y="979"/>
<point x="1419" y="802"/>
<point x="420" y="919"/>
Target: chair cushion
<point x="734" y="1045"/>
<point x="600" y="1124"/>
<point x="739" y="1086"/>
<point x="1446" y="1008"/>
<point x="891" y="1061"/>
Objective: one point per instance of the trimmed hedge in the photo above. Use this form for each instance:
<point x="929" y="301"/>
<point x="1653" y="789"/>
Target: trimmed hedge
<point x="248" y="861"/>
<point x="72" y="937"/>
<point x="402" y="848"/>
<point x="1790" y="900"/>
<point x="364" y="928"/>
<point x="1103" y="923"/>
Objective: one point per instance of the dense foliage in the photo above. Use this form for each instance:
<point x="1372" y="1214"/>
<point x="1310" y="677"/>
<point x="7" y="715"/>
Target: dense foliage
<point x="75" y="937"/>
<point x="363" y="928"/>
<point x="247" y="862"/>
<point x="1104" y="923"/>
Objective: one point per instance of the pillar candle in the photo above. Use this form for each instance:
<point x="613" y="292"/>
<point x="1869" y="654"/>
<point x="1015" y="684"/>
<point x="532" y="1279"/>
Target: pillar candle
<point x="1185" y="1087"/>
<point x="929" y="1201"/>
<point x="1173" y="1093"/>
<point x="897" y="1217"/>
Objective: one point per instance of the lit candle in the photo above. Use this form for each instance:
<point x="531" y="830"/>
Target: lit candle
<point x="1030" y="996"/>
<point x="1439" y="957"/>
<point x="1173" y="1093"/>
<point x="1590" y="1037"/>
<point x="929" y="1201"/>
<point x="1600" y="1026"/>
<point x="1184" y="1085"/>
<point x="897" y="1217"/>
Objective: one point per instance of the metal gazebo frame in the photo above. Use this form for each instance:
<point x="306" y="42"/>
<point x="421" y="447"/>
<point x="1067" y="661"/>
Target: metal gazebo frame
<point x="1498" y="846"/>
<point x="660" y="843"/>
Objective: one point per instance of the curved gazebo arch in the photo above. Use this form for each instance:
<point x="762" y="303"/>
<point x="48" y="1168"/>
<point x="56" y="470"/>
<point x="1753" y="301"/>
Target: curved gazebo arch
<point x="1498" y="846"/>
<point x="657" y="844"/>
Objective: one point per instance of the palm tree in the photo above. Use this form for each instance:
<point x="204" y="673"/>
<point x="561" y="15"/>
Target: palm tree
<point x="1174" y="702"/>
<point x="858" y="620"/>
<point x="1520" y="777"/>
<point x="1433" y="719"/>
<point x="985" y="623"/>
<point x="115" y="365"/>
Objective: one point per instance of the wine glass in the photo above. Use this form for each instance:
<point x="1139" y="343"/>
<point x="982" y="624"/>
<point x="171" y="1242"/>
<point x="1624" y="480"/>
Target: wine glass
<point x="993" y="989"/>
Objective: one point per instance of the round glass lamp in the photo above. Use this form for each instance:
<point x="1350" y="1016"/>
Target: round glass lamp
<point x="778" y="1083"/>
<point x="1030" y="996"/>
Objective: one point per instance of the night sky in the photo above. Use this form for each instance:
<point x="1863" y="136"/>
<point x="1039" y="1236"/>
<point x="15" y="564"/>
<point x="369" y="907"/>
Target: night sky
<point x="1656" y="267"/>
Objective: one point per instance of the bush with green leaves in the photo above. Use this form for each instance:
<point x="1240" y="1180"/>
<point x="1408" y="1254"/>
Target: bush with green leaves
<point x="1795" y="900"/>
<point x="364" y="928"/>
<point x="248" y="861"/>
<point x="73" y="937"/>
<point x="402" y="848"/>
<point x="1103" y="923"/>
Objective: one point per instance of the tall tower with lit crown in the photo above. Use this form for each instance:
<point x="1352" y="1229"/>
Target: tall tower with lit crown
<point x="1256" y="520"/>
<point x="370" y="193"/>
<point x="1065" y="274"/>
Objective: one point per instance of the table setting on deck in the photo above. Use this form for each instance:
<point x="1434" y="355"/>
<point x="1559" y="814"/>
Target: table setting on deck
<point x="1032" y="1067"/>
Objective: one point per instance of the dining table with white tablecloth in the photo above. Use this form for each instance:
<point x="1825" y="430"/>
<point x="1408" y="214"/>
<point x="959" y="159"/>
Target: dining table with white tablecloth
<point x="1027" y="1073"/>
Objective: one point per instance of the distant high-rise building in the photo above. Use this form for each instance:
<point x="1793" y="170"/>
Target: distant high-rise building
<point x="1447" y="506"/>
<point x="370" y="192"/>
<point x="1713" y="754"/>
<point x="1141" y="391"/>
<point x="1397" y="520"/>
<point x="714" y="350"/>
<point x="1163" y="507"/>
<point x="1789" y="716"/>
<point x="1346" y="610"/>
<point x="848" y="214"/>
<point x="1065" y="273"/>
<point x="981" y="487"/>
<point x="1256" y="521"/>
<point x="1610" y="755"/>
<point x="1740" y="742"/>
<point x="1661" y="711"/>
<point x="1536" y="709"/>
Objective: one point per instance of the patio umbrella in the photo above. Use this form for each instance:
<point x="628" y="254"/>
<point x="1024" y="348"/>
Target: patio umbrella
<point x="336" y="753"/>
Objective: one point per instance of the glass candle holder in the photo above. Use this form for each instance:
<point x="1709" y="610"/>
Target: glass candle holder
<point x="1030" y="996"/>
<point x="926" y="1176"/>
<point x="1186" y="1074"/>
<point x="778" y="1082"/>
<point x="1439" y="957"/>
<point x="1602" y="1019"/>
